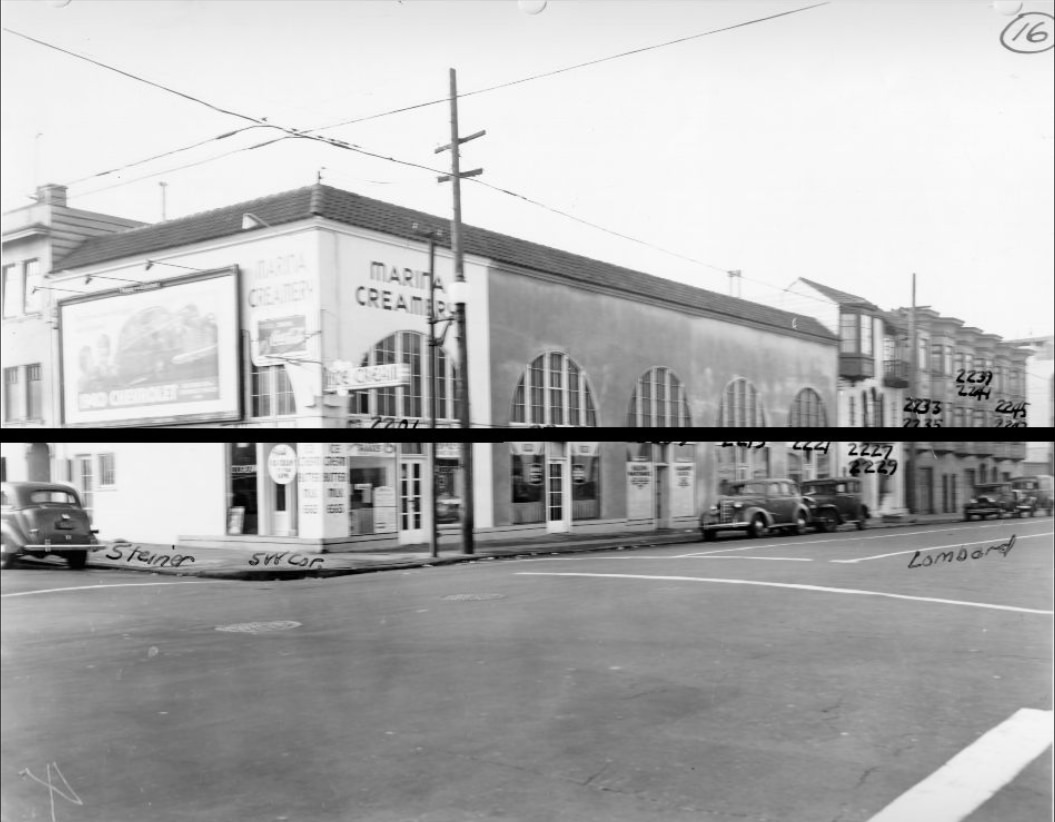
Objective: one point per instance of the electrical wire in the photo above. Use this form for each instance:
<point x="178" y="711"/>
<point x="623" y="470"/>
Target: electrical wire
<point x="137" y="78"/>
<point x="570" y="68"/>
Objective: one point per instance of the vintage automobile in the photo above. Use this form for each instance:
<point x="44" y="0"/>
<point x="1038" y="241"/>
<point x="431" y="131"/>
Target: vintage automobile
<point x="1038" y="489"/>
<point x="834" y="501"/>
<point x="42" y="519"/>
<point x="996" y="499"/>
<point x="757" y="506"/>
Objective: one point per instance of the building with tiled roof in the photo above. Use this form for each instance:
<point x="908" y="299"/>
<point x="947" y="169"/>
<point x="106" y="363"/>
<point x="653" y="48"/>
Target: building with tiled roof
<point x="310" y="308"/>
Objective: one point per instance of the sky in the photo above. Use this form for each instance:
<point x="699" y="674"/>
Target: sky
<point x="855" y="142"/>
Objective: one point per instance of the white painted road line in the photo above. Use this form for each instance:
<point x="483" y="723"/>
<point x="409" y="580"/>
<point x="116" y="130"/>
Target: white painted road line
<point x="935" y="548"/>
<point x="790" y="585"/>
<point x="975" y="774"/>
<point x="846" y="535"/>
<point x="116" y="585"/>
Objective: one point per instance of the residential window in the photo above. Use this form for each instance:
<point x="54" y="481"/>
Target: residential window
<point x="553" y="391"/>
<point x="659" y="400"/>
<point x="34" y="393"/>
<point x="31" y="295"/>
<point x="23" y="393"/>
<point x="20" y="294"/>
<point x="12" y="400"/>
<point x="867" y="347"/>
<point x="272" y="392"/>
<point x="107" y="471"/>
<point x="12" y="294"/>
<point x="85" y="480"/>
<point x="936" y="360"/>
<point x="849" y="332"/>
<point x="807" y="410"/>
<point x="947" y="369"/>
<point x="410" y="400"/>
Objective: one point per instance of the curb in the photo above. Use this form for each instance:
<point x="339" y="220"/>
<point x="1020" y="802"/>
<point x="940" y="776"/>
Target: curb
<point x="370" y="567"/>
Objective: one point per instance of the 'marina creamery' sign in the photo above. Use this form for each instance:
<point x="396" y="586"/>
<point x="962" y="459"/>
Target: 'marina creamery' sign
<point x="401" y="289"/>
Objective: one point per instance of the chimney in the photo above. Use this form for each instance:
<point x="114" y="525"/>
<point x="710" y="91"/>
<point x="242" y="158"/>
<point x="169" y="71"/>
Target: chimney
<point x="52" y="194"/>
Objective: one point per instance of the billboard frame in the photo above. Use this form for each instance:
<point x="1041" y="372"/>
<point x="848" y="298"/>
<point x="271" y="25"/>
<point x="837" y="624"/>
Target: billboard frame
<point x="237" y="414"/>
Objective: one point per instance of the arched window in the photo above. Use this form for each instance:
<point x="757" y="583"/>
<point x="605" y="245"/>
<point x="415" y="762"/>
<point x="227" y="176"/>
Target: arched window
<point x="659" y="400"/>
<point x="740" y="406"/>
<point x="553" y="391"/>
<point x="409" y="400"/>
<point x="807" y="410"/>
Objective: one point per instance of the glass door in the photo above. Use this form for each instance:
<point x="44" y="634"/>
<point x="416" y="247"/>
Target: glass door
<point x="411" y="530"/>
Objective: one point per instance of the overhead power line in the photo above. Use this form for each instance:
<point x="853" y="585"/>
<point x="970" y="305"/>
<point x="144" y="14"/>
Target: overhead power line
<point x="566" y="69"/>
<point x="137" y="78"/>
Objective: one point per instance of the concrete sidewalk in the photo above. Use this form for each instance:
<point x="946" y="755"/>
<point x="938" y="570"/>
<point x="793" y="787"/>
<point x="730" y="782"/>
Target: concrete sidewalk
<point x="246" y="563"/>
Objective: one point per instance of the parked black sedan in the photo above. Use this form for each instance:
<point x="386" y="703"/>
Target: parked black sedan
<point x="835" y="501"/>
<point x="42" y="519"/>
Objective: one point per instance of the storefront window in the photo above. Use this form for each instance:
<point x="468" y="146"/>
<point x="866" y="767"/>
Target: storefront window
<point x="740" y="406"/>
<point x="553" y="391"/>
<point x="659" y="400"/>
<point x="409" y="401"/>
<point x="242" y="506"/>
<point x="529" y="477"/>
<point x="585" y="480"/>
<point x="807" y="411"/>
<point x="371" y="488"/>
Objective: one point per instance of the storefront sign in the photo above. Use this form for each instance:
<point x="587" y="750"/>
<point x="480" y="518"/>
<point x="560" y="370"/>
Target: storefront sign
<point x="401" y="289"/>
<point x="344" y="376"/>
<point x="280" y="296"/>
<point x="370" y="449"/>
<point x="384" y="509"/>
<point x="639" y="490"/>
<point x="683" y="490"/>
<point x="282" y="464"/>
<point x="535" y="474"/>
<point x="282" y="336"/>
<point x="144" y="355"/>
<point x="448" y="450"/>
<point x="322" y="486"/>
<point x="578" y="474"/>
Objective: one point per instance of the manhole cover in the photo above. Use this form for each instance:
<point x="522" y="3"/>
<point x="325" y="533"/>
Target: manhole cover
<point x="472" y="597"/>
<point x="259" y="627"/>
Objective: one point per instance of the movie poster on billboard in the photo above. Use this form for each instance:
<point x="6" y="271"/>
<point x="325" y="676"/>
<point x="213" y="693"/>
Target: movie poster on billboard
<point x="143" y="355"/>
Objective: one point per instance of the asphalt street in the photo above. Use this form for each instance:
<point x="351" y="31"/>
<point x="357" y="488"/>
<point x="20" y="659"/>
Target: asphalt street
<point x="838" y="677"/>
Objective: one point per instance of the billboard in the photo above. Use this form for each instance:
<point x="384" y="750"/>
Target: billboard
<point x="164" y="352"/>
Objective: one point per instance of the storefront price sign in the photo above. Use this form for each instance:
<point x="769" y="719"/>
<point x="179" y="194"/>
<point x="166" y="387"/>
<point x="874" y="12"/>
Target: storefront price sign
<point x="282" y="464"/>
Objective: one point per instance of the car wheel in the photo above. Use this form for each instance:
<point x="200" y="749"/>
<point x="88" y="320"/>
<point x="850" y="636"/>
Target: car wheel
<point x="862" y="520"/>
<point x="831" y="522"/>
<point x="8" y="560"/>
<point x="77" y="561"/>
<point x="708" y="536"/>
<point x="801" y="524"/>
<point x="758" y="527"/>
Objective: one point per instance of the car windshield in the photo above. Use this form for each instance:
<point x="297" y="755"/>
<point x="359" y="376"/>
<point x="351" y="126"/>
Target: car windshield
<point x="748" y="489"/>
<point x="52" y="497"/>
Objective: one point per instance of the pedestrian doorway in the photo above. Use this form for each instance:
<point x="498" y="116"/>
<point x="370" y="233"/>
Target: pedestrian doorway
<point x="557" y="509"/>
<point x="411" y="501"/>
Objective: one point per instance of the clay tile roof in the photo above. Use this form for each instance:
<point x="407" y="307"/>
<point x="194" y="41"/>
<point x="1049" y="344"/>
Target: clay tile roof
<point x="841" y="297"/>
<point x="375" y="215"/>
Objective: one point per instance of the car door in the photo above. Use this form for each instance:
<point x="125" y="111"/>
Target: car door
<point x="782" y="502"/>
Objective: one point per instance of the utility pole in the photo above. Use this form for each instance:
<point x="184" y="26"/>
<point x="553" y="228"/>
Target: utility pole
<point x="164" y="204"/>
<point x="432" y="235"/>
<point x="913" y="381"/>
<point x="455" y="177"/>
